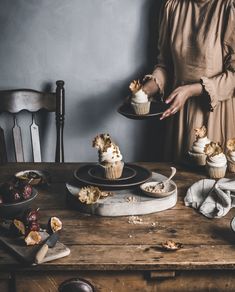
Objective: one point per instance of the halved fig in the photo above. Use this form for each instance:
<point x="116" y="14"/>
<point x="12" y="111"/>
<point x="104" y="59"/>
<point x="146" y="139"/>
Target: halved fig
<point x="54" y="224"/>
<point x="17" y="227"/>
<point x="33" y="238"/>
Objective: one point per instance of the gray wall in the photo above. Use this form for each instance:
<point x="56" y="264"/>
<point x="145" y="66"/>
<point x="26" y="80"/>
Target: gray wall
<point x="97" y="47"/>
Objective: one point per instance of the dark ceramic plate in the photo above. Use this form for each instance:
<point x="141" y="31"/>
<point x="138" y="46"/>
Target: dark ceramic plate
<point x="142" y="175"/>
<point x="97" y="173"/>
<point x="156" y="109"/>
<point x="12" y="210"/>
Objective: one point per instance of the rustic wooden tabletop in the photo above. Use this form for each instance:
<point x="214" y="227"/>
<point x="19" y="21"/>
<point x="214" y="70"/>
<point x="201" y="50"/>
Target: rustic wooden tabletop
<point x="103" y="243"/>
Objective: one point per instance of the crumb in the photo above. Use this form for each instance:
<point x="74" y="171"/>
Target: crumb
<point x="131" y="199"/>
<point x="135" y="220"/>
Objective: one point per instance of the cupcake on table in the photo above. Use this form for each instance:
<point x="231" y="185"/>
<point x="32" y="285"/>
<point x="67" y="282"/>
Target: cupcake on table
<point x="231" y="154"/>
<point x="110" y="157"/>
<point x="216" y="161"/>
<point x="139" y="99"/>
<point x="196" y="152"/>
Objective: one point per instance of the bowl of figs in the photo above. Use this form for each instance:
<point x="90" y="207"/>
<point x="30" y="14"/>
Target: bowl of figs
<point x="15" y="197"/>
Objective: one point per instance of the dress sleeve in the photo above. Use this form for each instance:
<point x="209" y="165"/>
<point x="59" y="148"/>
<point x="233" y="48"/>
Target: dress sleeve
<point x="222" y="86"/>
<point x="164" y="61"/>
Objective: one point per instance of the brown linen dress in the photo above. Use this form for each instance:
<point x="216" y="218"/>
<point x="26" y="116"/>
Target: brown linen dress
<point x="197" y="42"/>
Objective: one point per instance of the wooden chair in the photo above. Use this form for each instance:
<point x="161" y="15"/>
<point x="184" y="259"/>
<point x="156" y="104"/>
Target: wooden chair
<point x="14" y="101"/>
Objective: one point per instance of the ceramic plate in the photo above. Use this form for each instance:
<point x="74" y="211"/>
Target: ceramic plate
<point x="156" y="109"/>
<point x="142" y="175"/>
<point x="98" y="173"/>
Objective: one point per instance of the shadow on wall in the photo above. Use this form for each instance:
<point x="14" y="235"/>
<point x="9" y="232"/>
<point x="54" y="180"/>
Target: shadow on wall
<point x="153" y="141"/>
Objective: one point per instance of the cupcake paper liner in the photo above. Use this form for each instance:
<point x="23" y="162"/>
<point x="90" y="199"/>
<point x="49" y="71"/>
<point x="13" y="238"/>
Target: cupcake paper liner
<point x="216" y="172"/>
<point x="113" y="170"/>
<point x="231" y="166"/>
<point x="141" y="108"/>
<point x="198" y="158"/>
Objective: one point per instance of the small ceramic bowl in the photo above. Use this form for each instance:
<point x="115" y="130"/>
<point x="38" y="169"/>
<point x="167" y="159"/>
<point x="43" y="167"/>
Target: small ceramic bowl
<point x="33" y="177"/>
<point x="169" y="189"/>
<point x="12" y="210"/>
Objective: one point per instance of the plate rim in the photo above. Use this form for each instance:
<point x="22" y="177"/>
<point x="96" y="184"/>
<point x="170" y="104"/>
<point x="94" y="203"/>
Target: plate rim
<point x="116" y="180"/>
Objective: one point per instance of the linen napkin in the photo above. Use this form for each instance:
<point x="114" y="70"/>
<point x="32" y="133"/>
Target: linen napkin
<point x="211" y="198"/>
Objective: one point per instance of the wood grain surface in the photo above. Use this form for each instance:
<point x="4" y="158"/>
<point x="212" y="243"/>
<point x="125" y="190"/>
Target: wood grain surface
<point x="103" y="243"/>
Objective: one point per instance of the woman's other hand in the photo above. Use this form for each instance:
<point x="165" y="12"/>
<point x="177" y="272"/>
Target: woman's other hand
<point x="179" y="96"/>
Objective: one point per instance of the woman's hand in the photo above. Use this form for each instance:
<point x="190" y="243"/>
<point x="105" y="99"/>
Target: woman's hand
<point x="179" y="96"/>
<point x="150" y="87"/>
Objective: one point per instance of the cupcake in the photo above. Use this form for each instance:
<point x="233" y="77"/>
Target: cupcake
<point x="216" y="162"/>
<point x="110" y="157"/>
<point x="139" y="99"/>
<point x="231" y="154"/>
<point x="196" y="152"/>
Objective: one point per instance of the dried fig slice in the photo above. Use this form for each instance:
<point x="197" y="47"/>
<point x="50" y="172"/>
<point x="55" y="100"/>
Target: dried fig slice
<point x="33" y="238"/>
<point x="170" y="245"/>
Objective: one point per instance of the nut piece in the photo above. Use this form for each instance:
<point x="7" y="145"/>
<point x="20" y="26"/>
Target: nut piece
<point x="170" y="245"/>
<point x="156" y="188"/>
<point x="33" y="238"/>
<point x="54" y="224"/>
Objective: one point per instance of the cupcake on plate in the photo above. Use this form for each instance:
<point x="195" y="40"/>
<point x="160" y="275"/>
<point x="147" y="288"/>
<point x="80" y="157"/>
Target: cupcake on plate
<point x="110" y="157"/>
<point x="231" y="154"/>
<point x="139" y="99"/>
<point x="216" y="161"/>
<point x="196" y="152"/>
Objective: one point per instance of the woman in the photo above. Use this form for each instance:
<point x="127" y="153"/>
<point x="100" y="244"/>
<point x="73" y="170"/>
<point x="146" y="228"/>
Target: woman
<point x="196" y="56"/>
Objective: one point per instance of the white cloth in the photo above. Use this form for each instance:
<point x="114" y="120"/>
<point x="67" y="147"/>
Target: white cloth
<point x="212" y="198"/>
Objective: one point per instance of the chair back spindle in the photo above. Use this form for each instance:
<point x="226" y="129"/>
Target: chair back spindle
<point x="17" y="139"/>
<point x="3" y="149"/>
<point x="34" y="130"/>
<point x="60" y="112"/>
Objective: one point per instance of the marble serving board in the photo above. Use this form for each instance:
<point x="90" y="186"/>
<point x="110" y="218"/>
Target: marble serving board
<point x="124" y="202"/>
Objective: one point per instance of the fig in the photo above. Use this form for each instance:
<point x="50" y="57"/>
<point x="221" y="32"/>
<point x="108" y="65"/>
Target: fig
<point x="30" y="216"/>
<point x="33" y="238"/>
<point x="33" y="226"/>
<point x="54" y="224"/>
<point x="27" y="192"/>
<point x="17" y="227"/>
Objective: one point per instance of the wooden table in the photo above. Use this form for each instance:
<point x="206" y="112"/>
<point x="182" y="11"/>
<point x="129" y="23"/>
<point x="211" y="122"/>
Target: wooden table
<point x="115" y="255"/>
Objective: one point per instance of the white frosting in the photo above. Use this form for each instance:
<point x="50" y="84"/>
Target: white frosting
<point x="199" y="145"/>
<point x="111" y="155"/>
<point x="140" y="97"/>
<point x="231" y="156"/>
<point x="218" y="160"/>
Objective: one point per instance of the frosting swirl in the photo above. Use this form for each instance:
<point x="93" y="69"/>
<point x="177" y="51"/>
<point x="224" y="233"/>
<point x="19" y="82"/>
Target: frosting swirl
<point x="111" y="155"/>
<point x="218" y="160"/>
<point x="199" y="145"/>
<point x="139" y="97"/>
